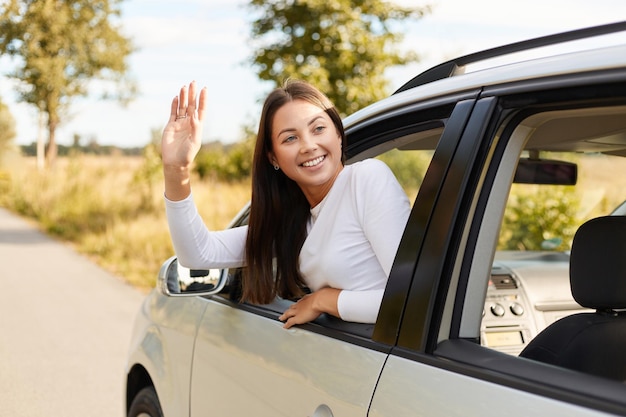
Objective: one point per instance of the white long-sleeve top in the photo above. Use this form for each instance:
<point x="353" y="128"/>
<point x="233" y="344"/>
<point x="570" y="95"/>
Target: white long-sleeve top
<point x="353" y="236"/>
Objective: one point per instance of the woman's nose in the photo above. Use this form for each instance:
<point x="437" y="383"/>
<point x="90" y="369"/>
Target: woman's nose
<point x="307" y="144"/>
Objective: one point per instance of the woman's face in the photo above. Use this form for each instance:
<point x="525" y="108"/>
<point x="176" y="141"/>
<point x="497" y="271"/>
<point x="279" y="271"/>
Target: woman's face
<point x="307" y="148"/>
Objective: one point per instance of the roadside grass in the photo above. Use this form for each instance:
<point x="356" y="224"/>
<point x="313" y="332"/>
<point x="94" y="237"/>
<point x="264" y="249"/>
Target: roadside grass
<point x="107" y="210"/>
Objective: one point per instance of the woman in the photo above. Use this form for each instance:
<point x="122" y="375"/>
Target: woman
<point x="333" y="230"/>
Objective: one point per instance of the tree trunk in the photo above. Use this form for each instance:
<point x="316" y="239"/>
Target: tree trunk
<point x="51" y="152"/>
<point x="41" y="162"/>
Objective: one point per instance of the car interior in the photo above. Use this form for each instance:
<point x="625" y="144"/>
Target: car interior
<point x="538" y="297"/>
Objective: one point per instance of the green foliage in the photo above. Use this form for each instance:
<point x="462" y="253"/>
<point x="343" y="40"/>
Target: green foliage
<point x="92" y="148"/>
<point x="147" y="176"/>
<point x="62" y="44"/>
<point x="341" y="46"/>
<point x="536" y="215"/>
<point x="231" y="164"/>
<point x="409" y="167"/>
<point x="7" y="129"/>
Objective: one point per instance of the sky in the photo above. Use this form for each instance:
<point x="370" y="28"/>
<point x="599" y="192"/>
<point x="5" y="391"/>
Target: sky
<point x="207" y="41"/>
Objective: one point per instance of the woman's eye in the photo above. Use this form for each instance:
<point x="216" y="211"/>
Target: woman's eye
<point x="289" y="139"/>
<point x="320" y="129"/>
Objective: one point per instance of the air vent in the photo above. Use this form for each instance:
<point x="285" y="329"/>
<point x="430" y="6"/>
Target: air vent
<point x="503" y="282"/>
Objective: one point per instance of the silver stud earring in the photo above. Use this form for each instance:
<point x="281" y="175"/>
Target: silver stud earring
<point x="276" y="167"/>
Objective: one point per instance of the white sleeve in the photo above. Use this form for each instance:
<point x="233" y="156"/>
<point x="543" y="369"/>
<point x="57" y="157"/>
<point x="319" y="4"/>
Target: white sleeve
<point x="198" y="248"/>
<point x="384" y="213"/>
<point x="384" y="210"/>
<point x="360" y="306"/>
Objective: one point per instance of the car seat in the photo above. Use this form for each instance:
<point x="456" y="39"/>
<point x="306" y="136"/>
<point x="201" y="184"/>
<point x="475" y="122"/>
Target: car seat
<point x="593" y="342"/>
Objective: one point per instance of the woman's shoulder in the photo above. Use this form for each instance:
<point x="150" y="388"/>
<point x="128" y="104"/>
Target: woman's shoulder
<point x="370" y="166"/>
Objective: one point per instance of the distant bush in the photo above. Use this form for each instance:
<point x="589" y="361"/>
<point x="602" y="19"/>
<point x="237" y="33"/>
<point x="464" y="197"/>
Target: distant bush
<point x="225" y="163"/>
<point x="539" y="218"/>
<point x="147" y="175"/>
<point x="409" y="167"/>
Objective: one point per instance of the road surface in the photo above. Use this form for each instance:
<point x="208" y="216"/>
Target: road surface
<point x="65" y="327"/>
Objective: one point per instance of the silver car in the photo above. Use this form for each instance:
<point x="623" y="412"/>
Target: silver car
<point x="476" y="318"/>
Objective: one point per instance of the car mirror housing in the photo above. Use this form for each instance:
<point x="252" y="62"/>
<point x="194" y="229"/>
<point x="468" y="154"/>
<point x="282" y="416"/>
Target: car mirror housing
<point x="176" y="280"/>
<point x="545" y="172"/>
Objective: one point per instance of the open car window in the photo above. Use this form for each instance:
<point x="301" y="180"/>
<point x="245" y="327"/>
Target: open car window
<point x="407" y="151"/>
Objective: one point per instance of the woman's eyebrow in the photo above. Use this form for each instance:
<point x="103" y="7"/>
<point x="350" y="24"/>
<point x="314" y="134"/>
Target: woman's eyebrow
<point x="293" y="129"/>
<point x="288" y="129"/>
<point x="314" y="119"/>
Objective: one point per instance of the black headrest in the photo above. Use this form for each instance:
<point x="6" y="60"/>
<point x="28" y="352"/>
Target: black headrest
<point x="598" y="263"/>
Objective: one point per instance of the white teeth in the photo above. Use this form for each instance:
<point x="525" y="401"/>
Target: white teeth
<point x="313" y="162"/>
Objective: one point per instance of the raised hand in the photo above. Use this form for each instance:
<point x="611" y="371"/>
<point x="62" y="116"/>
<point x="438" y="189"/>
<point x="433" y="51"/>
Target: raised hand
<point x="182" y="135"/>
<point x="181" y="140"/>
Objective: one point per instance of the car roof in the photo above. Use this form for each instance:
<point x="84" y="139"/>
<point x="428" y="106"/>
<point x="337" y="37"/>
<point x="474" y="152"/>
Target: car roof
<point x="453" y="77"/>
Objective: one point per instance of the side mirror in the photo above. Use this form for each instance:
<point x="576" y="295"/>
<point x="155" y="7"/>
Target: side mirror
<point x="175" y="280"/>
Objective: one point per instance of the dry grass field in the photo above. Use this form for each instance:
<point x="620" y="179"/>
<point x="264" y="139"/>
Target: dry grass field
<point x="108" y="209"/>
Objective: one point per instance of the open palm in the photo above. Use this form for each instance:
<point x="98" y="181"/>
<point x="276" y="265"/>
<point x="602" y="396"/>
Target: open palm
<point x="182" y="136"/>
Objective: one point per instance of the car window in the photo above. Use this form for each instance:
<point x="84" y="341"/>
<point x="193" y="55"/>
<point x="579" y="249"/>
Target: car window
<point x="408" y="153"/>
<point x="529" y="287"/>
<point x="519" y="278"/>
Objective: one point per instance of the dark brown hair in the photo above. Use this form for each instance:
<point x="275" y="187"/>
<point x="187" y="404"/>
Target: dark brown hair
<point x="278" y="210"/>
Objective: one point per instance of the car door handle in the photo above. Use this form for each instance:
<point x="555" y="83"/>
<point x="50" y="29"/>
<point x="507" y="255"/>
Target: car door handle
<point x="322" y="411"/>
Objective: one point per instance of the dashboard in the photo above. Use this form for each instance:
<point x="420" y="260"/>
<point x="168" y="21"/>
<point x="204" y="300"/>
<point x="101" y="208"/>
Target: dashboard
<point x="527" y="292"/>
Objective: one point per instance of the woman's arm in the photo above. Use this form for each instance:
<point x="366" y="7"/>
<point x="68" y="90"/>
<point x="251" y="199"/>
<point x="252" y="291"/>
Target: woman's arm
<point x="181" y="140"/>
<point x="195" y="246"/>
<point x="384" y="210"/>
<point x="198" y="248"/>
<point x="356" y="306"/>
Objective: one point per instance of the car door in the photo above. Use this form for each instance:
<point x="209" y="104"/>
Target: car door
<point x="245" y="363"/>
<point x="438" y="366"/>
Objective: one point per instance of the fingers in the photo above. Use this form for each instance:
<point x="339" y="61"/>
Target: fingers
<point x="182" y="102"/>
<point x="185" y="104"/>
<point x="202" y="104"/>
<point x="191" y="99"/>
<point x="174" y="109"/>
<point x="288" y="316"/>
<point x="300" y="312"/>
<point x="289" y="320"/>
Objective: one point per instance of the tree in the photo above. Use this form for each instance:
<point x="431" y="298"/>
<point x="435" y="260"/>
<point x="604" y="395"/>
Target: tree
<point x="540" y="217"/>
<point x="62" y="45"/>
<point x="7" y="128"/>
<point x="341" y="46"/>
<point x="227" y="163"/>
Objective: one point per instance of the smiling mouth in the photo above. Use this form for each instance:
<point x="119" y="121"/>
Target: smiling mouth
<point x="313" y="162"/>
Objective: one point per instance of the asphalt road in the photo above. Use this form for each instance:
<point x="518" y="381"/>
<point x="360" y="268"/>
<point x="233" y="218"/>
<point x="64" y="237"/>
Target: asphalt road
<point x="65" y="327"/>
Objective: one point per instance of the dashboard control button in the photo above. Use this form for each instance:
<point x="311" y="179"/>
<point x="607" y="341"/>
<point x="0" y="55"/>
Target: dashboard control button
<point x="497" y="310"/>
<point x="517" y="309"/>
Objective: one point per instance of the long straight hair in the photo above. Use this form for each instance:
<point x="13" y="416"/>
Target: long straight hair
<point x="278" y="209"/>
